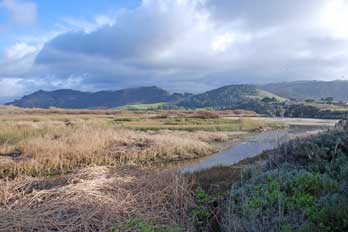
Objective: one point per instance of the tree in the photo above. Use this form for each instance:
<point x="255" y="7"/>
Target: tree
<point x="309" y="100"/>
<point x="269" y="99"/>
<point x="329" y="99"/>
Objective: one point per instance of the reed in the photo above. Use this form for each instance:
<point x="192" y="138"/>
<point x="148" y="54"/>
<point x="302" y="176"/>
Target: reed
<point x="96" y="199"/>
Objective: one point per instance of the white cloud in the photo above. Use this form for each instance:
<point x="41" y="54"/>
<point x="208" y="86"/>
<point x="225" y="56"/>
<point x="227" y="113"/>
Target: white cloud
<point x="87" y="26"/>
<point x="21" y="12"/>
<point x="10" y="87"/>
<point x="333" y="18"/>
<point x="176" y="41"/>
<point x="194" y="45"/>
<point x="222" y="42"/>
<point x="20" y="50"/>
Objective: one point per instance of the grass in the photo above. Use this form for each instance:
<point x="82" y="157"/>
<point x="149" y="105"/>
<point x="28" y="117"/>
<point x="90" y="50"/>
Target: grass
<point x="195" y="124"/>
<point x="91" y="170"/>
<point x="154" y="106"/>
<point x="61" y="152"/>
<point x="53" y="143"/>
<point x="262" y="94"/>
<point x="97" y="199"/>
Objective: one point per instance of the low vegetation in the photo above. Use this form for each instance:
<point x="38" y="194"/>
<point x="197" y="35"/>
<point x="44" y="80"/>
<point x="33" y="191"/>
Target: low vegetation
<point x="311" y="109"/>
<point x="69" y="170"/>
<point x="97" y="199"/>
<point x="79" y="171"/>
<point x="50" y="144"/>
<point x="302" y="186"/>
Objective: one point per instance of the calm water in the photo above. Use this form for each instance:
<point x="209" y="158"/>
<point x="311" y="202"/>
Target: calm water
<point x="250" y="147"/>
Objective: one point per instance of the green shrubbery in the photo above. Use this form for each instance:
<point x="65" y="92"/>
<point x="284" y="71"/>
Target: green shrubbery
<point x="307" y="191"/>
<point x="202" y="210"/>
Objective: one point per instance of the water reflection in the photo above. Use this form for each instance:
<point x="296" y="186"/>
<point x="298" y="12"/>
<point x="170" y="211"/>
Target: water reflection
<point x="249" y="147"/>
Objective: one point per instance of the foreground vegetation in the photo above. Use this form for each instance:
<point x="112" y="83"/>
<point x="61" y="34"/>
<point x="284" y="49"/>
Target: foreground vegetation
<point x="302" y="186"/>
<point x="92" y="171"/>
<point x="97" y="199"/>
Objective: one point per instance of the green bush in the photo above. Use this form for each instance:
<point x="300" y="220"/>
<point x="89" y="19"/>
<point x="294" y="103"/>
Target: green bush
<point x="305" y="191"/>
<point x="308" y="183"/>
<point x="331" y="217"/>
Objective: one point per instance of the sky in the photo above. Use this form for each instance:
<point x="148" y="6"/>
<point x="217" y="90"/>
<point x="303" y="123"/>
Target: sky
<point x="179" y="45"/>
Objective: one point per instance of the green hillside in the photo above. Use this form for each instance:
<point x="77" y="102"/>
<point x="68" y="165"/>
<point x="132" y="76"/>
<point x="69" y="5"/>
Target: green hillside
<point x="72" y="99"/>
<point x="234" y="97"/>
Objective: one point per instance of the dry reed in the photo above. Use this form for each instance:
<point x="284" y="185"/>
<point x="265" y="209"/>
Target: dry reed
<point x="95" y="199"/>
<point x="55" y="153"/>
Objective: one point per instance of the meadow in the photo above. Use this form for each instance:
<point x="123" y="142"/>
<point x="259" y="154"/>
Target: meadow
<point x="45" y="143"/>
<point x="87" y="170"/>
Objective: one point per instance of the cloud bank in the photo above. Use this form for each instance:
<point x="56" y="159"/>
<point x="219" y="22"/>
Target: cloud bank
<point x="190" y="46"/>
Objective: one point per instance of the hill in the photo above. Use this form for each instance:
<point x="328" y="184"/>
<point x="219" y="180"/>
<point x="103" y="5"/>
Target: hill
<point x="246" y="97"/>
<point x="67" y="98"/>
<point x="302" y="90"/>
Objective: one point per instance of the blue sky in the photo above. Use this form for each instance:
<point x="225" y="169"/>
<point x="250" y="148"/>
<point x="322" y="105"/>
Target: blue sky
<point x="50" y="13"/>
<point x="180" y="45"/>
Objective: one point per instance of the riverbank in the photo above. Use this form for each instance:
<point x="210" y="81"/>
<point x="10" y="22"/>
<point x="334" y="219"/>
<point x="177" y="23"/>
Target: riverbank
<point x="300" y="186"/>
<point x="255" y="143"/>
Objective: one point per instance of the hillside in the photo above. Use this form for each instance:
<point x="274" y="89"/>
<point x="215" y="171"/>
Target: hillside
<point x="232" y="97"/>
<point x="302" y="90"/>
<point x="67" y="98"/>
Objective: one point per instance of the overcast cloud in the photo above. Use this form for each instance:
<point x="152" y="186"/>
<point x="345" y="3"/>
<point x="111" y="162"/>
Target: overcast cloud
<point x="186" y="45"/>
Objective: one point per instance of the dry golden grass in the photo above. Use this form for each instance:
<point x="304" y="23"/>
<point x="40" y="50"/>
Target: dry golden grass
<point x="68" y="170"/>
<point x="39" y="111"/>
<point x="48" y="144"/>
<point x="78" y="147"/>
<point x="95" y="199"/>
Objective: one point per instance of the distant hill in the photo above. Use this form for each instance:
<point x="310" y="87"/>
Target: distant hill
<point x="234" y="97"/>
<point x="302" y="90"/>
<point x="66" y="98"/>
<point x="264" y="99"/>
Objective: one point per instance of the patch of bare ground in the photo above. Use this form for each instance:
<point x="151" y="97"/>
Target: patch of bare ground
<point x="95" y="199"/>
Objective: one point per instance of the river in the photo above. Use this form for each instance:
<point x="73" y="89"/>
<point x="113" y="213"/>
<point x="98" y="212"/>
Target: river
<point x="257" y="143"/>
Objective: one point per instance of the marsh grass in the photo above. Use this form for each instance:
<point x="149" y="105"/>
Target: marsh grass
<point x="196" y="124"/>
<point x="50" y="144"/>
<point x="97" y="199"/>
<point x="60" y="152"/>
<point x="90" y="170"/>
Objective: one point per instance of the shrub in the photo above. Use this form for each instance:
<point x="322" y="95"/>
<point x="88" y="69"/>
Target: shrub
<point x="331" y="217"/>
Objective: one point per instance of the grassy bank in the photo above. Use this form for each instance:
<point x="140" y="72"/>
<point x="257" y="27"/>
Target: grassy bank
<point x="302" y="186"/>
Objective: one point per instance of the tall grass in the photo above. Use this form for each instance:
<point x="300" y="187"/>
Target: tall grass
<point x="57" y="143"/>
<point x="96" y="199"/>
<point x="78" y="147"/>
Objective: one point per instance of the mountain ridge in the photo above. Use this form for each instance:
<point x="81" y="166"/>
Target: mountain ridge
<point x="243" y="96"/>
<point x="314" y="89"/>
<point x="68" y="98"/>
